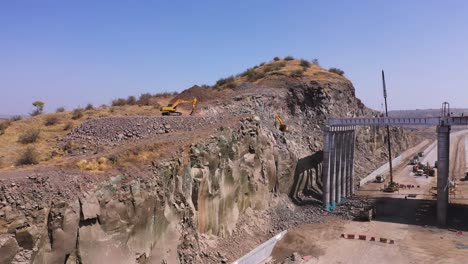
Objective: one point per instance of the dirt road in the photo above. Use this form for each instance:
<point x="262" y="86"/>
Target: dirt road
<point x="406" y="217"/>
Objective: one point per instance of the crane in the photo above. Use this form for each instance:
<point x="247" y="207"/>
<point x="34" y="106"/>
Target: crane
<point x="171" y="109"/>
<point x="282" y="126"/>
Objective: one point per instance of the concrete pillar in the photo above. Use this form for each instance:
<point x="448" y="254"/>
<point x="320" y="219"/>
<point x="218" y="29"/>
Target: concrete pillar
<point x="443" y="154"/>
<point x="347" y="159"/>
<point x="326" y="168"/>
<point x="344" y="174"/>
<point x="333" y="168"/>
<point x="351" y="174"/>
<point x="339" y="163"/>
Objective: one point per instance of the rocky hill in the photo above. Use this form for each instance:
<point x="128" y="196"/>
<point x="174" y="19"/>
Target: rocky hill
<point x="190" y="189"/>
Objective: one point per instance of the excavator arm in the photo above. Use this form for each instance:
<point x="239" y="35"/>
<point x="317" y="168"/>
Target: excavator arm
<point x="282" y="126"/>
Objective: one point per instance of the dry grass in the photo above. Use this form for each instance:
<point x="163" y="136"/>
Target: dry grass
<point x="28" y="157"/>
<point x="288" y="67"/>
<point x="46" y="143"/>
<point x="29" y="136"/>
<point x="99" y="164"/>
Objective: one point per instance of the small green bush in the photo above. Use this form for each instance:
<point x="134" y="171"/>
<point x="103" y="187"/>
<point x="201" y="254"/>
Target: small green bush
<point x="28" y="157"/>
<point x="119" y="102"/>
<point x="337" y="71"/>
<point x="288" y="58"/>
<point x="60" y="109"/>
<point x="77" y="113"/>
<point x="305" y="64"/>
<point x="29" y="136"/>
<point x="51" y="120"/>
<point x="39" y="108"/>
<point x="276" y="58"/>
<point x="89" y="107"/>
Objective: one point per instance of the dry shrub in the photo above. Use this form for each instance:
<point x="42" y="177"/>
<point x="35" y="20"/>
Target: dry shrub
<point x="29" y="136"/>
<point x="4" y="125"/>
<point x="89" y="107"/>
<point x="288" y="58"/>
<point x="60" y="109"/>
<point x="336" y="70"/>
<point x="100" y="164"/>
<point x="305" y="64"/>
<point x="28" y="157"/>
<point x="16" y="118"/>
<point x="68" y="126"/>
<point x="51" y="120"/>
<point x="298" y="72"/>
<point x="119" y="102"/>
<point x="77" y="113"/>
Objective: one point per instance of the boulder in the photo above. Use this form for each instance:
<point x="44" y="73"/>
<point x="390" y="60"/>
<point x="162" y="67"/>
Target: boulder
<point x="8" y="248"/>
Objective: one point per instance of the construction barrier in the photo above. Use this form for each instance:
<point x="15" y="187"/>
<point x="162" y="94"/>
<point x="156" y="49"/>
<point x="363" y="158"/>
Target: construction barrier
<point x="364" y="237"/>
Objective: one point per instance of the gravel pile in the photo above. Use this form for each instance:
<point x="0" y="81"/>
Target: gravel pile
<point x="111" y="130"/>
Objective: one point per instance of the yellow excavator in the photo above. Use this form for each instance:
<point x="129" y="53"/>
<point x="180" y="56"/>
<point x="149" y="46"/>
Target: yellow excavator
<point x="282" y="126"/>
<point x="171" y="109"/>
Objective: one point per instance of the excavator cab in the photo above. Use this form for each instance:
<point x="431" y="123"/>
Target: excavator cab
<point x="171" y="109"/>
<point x="282" y="126"/>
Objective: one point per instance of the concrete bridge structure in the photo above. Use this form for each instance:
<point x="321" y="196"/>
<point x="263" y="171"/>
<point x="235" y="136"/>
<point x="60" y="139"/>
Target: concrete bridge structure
<point x="338" y="155"/>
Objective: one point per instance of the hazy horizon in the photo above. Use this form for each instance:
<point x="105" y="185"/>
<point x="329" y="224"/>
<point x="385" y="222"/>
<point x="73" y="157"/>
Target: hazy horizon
<point x="73" y="53"/>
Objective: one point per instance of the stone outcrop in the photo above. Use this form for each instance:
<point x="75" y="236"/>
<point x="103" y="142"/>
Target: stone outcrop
<point x="180" y="209"/>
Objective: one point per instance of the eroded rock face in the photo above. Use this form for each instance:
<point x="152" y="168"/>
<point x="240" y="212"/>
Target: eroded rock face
<point x="159" y="211"/>
<point x="8" y="248"/>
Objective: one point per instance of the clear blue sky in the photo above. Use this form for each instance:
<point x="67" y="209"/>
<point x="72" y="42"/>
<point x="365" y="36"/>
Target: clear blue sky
<point x="70" y="53"/>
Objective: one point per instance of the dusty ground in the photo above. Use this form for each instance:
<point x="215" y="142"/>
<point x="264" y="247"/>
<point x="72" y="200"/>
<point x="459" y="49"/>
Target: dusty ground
<point x="409" y="222"/>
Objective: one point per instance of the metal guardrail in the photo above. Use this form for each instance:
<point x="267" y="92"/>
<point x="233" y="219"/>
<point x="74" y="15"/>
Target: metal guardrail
<point x="399" y="121"/>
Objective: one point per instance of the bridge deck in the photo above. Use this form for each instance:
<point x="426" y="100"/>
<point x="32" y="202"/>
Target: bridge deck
<point x="399" y="121"/>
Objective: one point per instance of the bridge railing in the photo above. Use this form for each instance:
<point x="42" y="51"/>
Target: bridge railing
<point x="399" y="121"/>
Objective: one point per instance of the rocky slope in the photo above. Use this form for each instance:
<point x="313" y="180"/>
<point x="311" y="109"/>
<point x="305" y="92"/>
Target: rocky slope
<point x="217" y="184"/>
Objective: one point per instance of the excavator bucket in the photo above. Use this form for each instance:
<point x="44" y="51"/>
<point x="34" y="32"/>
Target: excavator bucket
<point x="284" y="128"/>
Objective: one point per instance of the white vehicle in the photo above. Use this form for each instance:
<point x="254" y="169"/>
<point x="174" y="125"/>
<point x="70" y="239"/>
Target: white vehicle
<point x="419" y="173"/>
<point x="379" y="178"/>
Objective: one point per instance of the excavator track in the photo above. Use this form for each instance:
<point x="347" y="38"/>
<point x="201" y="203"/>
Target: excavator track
<point x="171" y="113"/>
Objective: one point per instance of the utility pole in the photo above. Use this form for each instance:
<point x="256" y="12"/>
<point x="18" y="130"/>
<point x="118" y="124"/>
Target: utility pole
<point x="388" y="130"/>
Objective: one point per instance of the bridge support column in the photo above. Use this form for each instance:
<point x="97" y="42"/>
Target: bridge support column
<point x="443" y="154"/>
<point x="339" y="165"/>
<point x="333" y="158"/>
<point x="347" y="192"/>
<point x="351" y="163"/>
<point x="326" y="167"/>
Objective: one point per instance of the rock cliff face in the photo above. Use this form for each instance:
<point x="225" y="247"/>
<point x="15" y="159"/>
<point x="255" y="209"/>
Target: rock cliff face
<point x="194" y="206"/>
